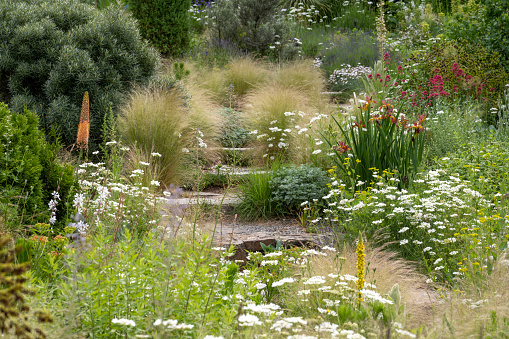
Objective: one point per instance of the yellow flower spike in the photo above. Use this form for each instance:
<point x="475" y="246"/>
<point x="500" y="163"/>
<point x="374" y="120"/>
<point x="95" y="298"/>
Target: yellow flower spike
<point x="360" y="267"/>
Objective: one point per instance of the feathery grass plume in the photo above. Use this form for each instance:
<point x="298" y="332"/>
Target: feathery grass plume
<point x="245" y="74"/>
<point x="360" y="267"/>
<point x="84" y="125"/>
<point x="304" y="77"/>
<point x="13" y="307"/>
<point x="267" y="107"/>
<point x="162" y="120"/>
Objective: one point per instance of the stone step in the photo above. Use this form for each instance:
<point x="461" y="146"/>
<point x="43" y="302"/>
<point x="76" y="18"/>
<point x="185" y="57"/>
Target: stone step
<point x="252" y="242"/>
<point x="204" y="198"/>
<point x="240" y="149"/>
<point x="235" y="170"/>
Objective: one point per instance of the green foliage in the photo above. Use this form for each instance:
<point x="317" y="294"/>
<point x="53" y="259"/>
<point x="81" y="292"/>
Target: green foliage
<point x="21" y="143"/>
<point x="449" y="127"/>
<point x="100" y="4"/>
<point x="403" y="16"/>
<point x="145" y="280"/>
<point x="251" y="24"/>
<point x="502" y="127"/>
<point x="13" y="294"/>
<point x="379" y="141"/>
<point x="443" y="221"/>
<point x="335" y="50"/>
<point x="484" y="23"/>
<point x="234" y="133"/>
<point x="160" y="120"/>
<point x="165" y="23"/>
<point x="30" y="170"/>
<point x="44" y="253"/>
<point x="378" y="85"/>
<point x="483" y="66"/>
<point x="444" y="6"/>
<point x="180" y="71"/>
<point x="256" y="196"/>
<point x="292" y="186"/>
<point x="47" y="62"/>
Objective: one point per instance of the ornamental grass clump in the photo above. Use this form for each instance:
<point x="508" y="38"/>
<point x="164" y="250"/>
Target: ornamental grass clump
<point x="164" y="121"/>
<point x="378" y="138"/>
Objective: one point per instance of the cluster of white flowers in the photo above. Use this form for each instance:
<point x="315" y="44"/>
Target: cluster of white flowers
<point x="347" y="73"/>
<point x="123" y="322"/>
<point x="173" y="324"/>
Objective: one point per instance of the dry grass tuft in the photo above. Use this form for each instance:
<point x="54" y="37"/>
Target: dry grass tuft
<point x="203" y="115"/>
<point x="477" y="310"/>
<point x="160" y="120"/>
<point x="213" y="81"/>
<point x="245" y="74"/>
<point x="266" y="109"/>
<point x="307" y="79"/>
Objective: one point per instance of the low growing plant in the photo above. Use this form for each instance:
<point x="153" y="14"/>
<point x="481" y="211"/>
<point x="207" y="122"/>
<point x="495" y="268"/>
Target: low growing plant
<point x="293" y="186"/>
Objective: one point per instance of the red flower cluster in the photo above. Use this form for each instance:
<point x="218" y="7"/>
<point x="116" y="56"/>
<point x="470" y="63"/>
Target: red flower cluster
<point x="341" y="148"/>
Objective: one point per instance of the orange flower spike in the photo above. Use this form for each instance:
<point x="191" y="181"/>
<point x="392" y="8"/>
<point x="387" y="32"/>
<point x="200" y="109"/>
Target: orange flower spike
<point x="84" y="125"/>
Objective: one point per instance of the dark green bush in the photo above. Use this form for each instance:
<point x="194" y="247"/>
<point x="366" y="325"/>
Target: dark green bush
<point x="484" y="22"/>
<point x="52" y="51"/>
<point x="291" y="186"/>
<point x="165" y="23"/>
<point x="21" y="142"/>
<point x="29" y="170"/>
<point x="252" y="25"/>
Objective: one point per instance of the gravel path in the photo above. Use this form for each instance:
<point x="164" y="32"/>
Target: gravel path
<point x="274" y="227"/>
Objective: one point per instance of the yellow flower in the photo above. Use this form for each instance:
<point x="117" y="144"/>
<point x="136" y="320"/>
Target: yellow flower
<point x="360" y="267"/>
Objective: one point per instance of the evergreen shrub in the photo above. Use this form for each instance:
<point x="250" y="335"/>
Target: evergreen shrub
<point x="29" y="170"/>
<point x="52" y="51"/>
<point x="253" y="25"/>
<point x="165" y="23"/>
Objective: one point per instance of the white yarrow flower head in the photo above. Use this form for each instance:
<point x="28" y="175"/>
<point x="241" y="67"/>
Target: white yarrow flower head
<point x="316" y="280"/>
<point x="249" y="320"/>
<point x="282" y="282"/>
<point x="260" y="286"/>
<point x="155" y="183"/>
<point x="124" y="322"/>
<point x="155" y="154"/>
